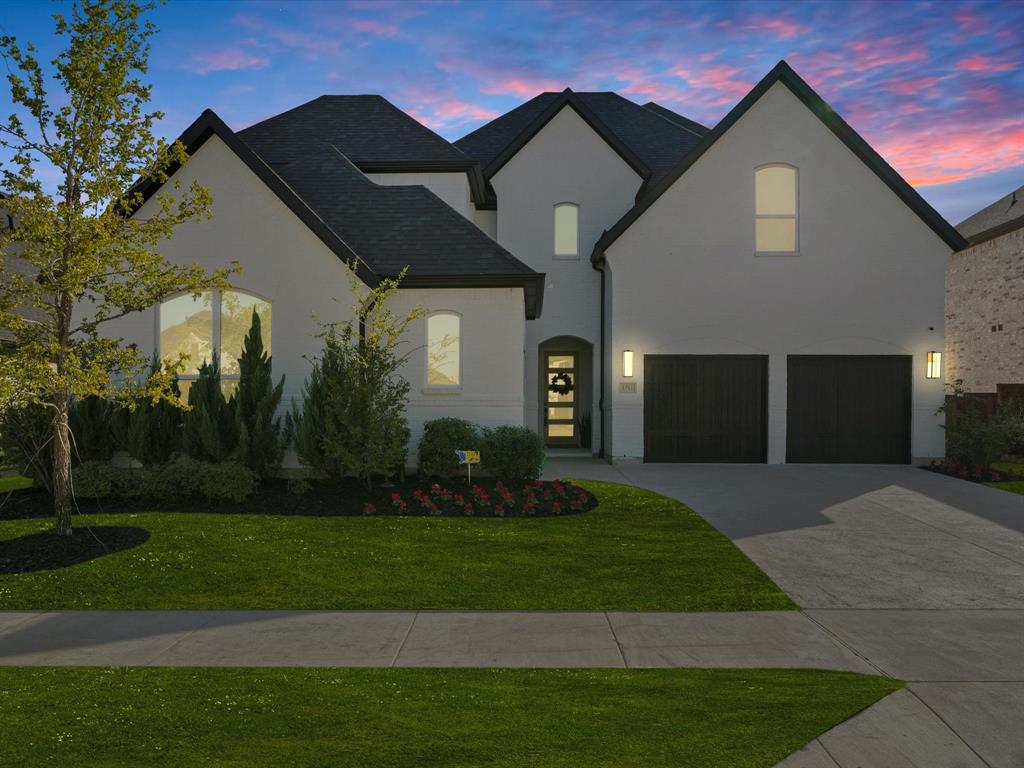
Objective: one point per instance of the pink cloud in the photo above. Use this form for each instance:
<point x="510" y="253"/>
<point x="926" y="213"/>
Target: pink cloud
<point x="449" y="112"/>
<point x="371" y="27"/>
<point x="307" y="44"/>
<point x="883" y="52"/>
<point x="783" y="29"/>
<point x="523" y="87"/>
<point x="226" y="60"/>
<point x="911" y="86"/>
<point x="985" y="64"/>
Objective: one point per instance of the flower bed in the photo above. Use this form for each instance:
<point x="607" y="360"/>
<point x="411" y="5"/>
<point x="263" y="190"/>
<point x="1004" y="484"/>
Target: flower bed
<point x="530" y="499"/>
<point x="976" y="473"/>
<point x="453" y="498"/>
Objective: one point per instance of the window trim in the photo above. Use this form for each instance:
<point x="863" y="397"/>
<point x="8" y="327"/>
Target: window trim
<point x="554" y="231"/>
<point x="795" y="216"/>
<point x="215" y="326"/>
<point x="441" y="388"/>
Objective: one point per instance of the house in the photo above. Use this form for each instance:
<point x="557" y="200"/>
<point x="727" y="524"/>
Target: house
<point x="614" y="275"/>
<point x="985" y="300"/>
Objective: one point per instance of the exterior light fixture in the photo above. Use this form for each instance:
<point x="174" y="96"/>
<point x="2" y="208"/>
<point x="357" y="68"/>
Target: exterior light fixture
<point x="627" y="363"/>
<point x="934" y="365"/>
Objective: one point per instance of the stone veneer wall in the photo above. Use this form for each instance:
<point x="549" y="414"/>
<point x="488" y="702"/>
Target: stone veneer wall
<point x="985" y="290"/>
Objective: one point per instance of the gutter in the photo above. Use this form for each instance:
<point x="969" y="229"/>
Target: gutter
<point x="599" y="264"/>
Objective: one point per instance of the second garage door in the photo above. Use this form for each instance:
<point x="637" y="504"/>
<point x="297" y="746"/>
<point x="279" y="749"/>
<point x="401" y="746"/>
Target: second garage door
<point x="705" y="407"/>
<point x="848" y="409"/>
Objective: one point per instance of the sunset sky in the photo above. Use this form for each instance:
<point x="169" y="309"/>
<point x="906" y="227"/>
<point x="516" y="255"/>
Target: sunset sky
<point x="936" y="87"/>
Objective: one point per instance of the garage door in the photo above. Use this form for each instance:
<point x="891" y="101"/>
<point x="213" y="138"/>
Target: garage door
<point x="705" y="407"/>
<point x="849" y="409"/>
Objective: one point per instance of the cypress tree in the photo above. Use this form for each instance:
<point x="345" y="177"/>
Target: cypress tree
<point x="209" y="432"/>
<point x="260" y="446"/>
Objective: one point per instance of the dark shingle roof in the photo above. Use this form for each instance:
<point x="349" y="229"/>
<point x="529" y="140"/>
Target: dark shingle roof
<point x="1004" y="215"/>
<point x="675" y="117"/>
<point x="392" y="227"/>
<point x="367" y="129"/>
<point x="653" y="138"/>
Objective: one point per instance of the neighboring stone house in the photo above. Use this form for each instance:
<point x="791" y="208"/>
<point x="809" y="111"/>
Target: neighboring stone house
<point x="614" y="275"/>
<point x="985" y="299"/>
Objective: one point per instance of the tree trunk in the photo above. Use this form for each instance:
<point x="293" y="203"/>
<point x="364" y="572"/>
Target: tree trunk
<point x="62" y="496"/>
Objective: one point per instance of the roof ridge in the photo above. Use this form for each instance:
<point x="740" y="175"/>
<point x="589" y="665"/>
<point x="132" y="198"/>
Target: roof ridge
<point x="669" y="120"/>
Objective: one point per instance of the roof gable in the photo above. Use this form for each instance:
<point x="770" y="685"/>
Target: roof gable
<point x="381" y="229"/>
<point x="783" y="73"/>
<point x="1004" y="215"/>
<point x="646" y="140"/>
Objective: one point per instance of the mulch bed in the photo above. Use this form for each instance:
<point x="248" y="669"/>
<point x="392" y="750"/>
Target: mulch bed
<point x="441" y="498"/>
<point x="46" y="550"/>
<point x="975" y="473"/>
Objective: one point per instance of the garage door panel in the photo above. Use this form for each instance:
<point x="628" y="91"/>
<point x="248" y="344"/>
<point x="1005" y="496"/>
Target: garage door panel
<point x="849" y="409"/>
<point x="704" y="408"/>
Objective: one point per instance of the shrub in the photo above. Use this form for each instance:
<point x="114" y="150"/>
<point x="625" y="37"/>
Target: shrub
<point x="441" y="438"/>
<point x="148" y="432"/>
<point x="260" y="446"/>
<point x="352" y="422"/>
<point x="100" y="480"/>
<point x="976" y="438"/>
<point x="185" y="477"/>
<point x="89" y="420"/>
<point x="210" y="432"/>
<point x="513" y="453"/>
<point x="26" y="435"/>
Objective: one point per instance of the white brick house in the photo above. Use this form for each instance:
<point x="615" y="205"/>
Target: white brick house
<point x="617" y="277"/>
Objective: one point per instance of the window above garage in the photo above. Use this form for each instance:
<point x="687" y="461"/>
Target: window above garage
<point x="775" y="205"/>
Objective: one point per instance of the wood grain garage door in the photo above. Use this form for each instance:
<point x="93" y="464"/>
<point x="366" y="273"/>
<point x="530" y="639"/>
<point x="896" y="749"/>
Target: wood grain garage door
<point x="705" y="407"/>
<point x="852" y="409"/>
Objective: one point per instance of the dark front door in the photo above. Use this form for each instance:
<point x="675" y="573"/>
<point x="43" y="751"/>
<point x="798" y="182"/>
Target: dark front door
<point x="705" y="408"/>
<point x="562" y="400"/>
<point x="852" y="409"/>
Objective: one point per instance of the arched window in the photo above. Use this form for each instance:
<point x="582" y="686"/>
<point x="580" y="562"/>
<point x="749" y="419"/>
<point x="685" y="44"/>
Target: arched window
<point x="775" y="200"/>
<point x="444" y="350"/>
<point x="567" y="230"/>
<point x="216" y="321"/>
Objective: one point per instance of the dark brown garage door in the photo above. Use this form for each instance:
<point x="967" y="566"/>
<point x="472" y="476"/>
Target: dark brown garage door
<point x="705" y="407"/>
<point x="849" y="409"/>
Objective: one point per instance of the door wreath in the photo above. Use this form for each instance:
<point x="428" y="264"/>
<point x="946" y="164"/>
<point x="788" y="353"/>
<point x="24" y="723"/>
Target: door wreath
<point x="561" y="384"/>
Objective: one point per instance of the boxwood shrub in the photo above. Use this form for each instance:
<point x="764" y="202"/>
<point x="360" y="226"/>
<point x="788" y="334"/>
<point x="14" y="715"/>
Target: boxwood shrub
<point x="441" y="438"/>
<point x="513" y="453"/>
<point x="227" y="480"/>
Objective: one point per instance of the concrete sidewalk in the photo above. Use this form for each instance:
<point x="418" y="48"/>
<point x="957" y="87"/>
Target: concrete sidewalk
<point x="421" y="639"/>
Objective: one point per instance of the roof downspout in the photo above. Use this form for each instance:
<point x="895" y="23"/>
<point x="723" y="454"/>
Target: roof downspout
<point x="599" y="266"/>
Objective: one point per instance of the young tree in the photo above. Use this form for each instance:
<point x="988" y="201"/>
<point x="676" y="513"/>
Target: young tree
<point x="88" y="262"/>
<point x="353" y="418"/>
<point x="259" y="434"/>
<point x="210" y="432"/>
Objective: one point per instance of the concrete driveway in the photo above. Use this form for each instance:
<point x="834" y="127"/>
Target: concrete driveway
<point x="920" y="575"/>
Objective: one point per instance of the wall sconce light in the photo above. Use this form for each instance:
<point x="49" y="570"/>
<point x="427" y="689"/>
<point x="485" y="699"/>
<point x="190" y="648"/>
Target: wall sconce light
<point x="627" y="363"/>
<point x="934" y="365"/>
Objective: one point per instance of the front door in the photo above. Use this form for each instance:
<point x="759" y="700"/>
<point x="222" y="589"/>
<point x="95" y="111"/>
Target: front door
<point x="560" y="427"/>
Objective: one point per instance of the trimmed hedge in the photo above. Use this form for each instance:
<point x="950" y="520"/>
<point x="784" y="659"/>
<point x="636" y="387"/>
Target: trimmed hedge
<point x="513" y="453"/>
<point x="441" y="438"/>
<point x="228" y="480"/>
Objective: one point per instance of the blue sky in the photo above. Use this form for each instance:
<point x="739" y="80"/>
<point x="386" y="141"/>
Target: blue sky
<point x="936" y="87"/>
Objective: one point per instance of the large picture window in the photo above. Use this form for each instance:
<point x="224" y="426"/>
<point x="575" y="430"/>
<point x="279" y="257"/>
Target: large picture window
<point x="775" y="198"/>
<point x="567" y="230"/>
<point x="444" y="342"/>
<point x="215" y="322"/>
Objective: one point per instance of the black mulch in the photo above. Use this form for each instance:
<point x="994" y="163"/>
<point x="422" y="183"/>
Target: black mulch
<point x="452" y="498"/>
<point x="46" y="550"/>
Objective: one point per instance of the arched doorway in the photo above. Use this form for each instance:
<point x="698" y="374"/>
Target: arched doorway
<point x="565" y="392"/>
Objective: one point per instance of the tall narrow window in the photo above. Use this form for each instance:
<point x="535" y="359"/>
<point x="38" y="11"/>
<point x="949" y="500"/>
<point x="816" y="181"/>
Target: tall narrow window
<point x="775" y="199"/>
<point x="567" y="230"/>
<point x="443" y="350"/>
<point x="215" y="321"/>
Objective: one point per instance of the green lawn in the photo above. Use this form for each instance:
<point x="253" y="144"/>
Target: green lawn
<point x="636" y="551"/>
<point x="1013" y="486"/>
<point x="184" y="717"/>
<point x="14" y="483"/>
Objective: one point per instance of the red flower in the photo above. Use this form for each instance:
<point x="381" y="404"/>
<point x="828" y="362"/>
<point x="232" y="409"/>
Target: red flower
<point x="368" y="508"/>
<point x="459" y="498"/>
<point x="468" y="509"/>
<point x="499" y="510"/>
<point x="556" y="508"/>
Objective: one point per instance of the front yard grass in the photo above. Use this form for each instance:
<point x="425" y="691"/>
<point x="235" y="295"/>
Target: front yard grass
<point x="14" y="483"/>
<point x="238" y="717"/>
<point x="635" y="551"/>
<point x="1013" y="486"/>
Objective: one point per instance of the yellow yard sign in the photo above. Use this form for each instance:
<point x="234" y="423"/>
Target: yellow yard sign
<point x="469" y="458"/>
